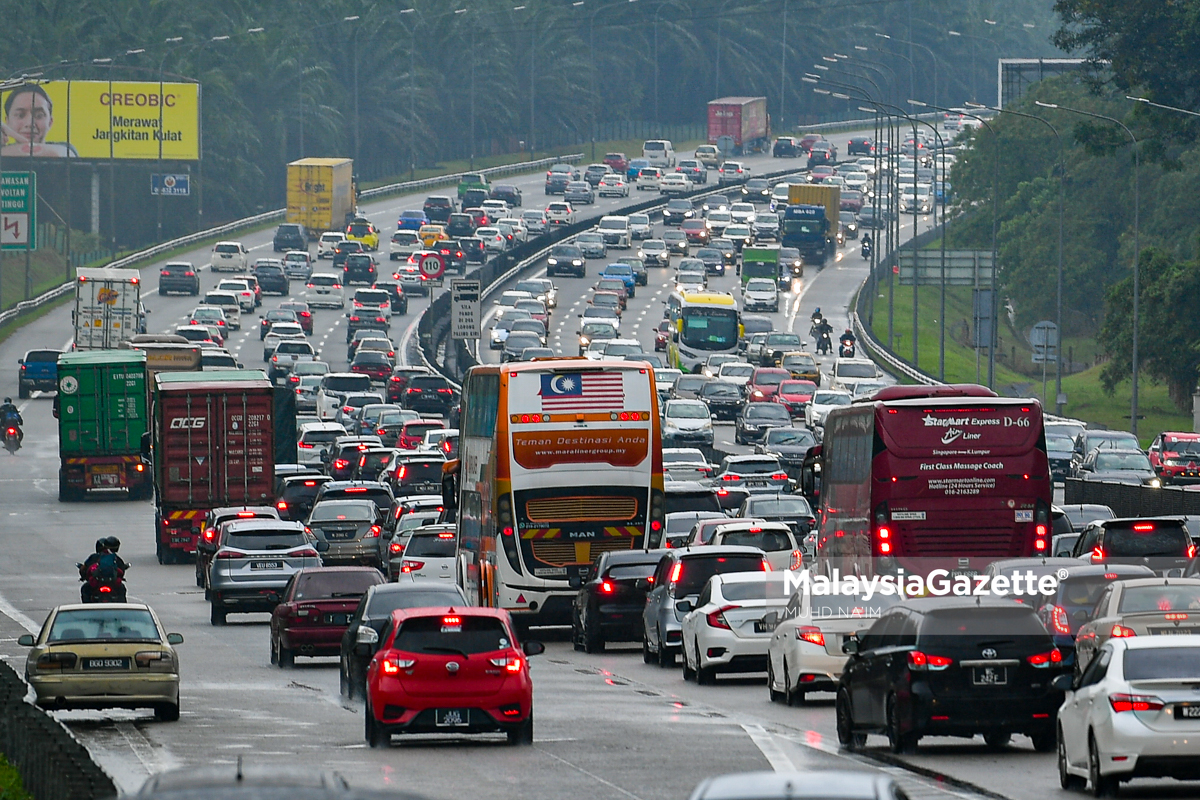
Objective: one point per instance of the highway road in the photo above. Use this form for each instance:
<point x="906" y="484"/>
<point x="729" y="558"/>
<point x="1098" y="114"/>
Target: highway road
<point x="607" y="725"/>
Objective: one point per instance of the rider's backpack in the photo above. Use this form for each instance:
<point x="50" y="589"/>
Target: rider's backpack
<point x="106" y="568"/>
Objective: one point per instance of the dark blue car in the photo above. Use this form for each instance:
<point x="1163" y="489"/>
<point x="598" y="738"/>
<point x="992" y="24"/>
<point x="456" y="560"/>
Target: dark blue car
<point x="39" y="370"/>
<point x="411" y="220"/>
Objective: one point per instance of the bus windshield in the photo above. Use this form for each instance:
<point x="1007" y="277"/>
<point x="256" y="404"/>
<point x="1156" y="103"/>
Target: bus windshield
<point x="709" y="328"/>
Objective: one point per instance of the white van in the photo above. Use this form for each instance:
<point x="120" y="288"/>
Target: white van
<point x="659" y="152"/>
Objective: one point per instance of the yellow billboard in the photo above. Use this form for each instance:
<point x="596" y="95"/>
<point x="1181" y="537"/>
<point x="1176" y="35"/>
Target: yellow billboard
<point x="102" y="120"/>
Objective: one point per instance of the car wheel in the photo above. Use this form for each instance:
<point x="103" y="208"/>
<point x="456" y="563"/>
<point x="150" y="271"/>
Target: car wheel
<point x="791" y="697"/>
<point x="898" y="742"/>
<point x="1065" y="779"/>
<point x="217" y="615"/>
<point x="376" y="735"/>
<point x="1101" y="785"/>
<point x="688" y="673"/>
<point x="997" y="740"/>
<point x="647" y="656"/>
<point x="523" y="733"/>
<point x="167" y="712"/>
<point x="775" y="695"/>
<point x="666" y="658"/>
<point x="705" y="676"/>
<point x="1044" y="741"/>
<point x="593" y="640"/>
<point x="847" y="737"/>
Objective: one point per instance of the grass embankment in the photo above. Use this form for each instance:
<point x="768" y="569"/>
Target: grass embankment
<point x="1086" y="398"/>
<point x="632" y="148"/>
<point x="11" y="787"/>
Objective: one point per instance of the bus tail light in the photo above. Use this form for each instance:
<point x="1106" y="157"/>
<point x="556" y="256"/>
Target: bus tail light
<point x="508" y="541"/>
<point x="656" y="510"/>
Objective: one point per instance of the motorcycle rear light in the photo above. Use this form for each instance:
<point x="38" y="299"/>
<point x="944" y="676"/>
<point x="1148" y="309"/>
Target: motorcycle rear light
<point x="105" y="589"/>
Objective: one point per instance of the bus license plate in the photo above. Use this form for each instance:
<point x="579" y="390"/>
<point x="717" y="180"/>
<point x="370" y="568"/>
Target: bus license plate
<point x="452" y="717"/>
<point x="266" y="565"/>
<point x="1187" y="711"/>
<point x="989" y="676"/>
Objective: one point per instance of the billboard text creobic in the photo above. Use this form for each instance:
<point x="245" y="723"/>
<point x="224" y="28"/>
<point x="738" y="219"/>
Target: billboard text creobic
<point x="102" y="120"/>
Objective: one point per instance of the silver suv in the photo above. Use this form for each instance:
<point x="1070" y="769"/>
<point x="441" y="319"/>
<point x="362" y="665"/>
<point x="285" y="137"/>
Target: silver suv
<point x="254" y="561"/>
<point x="351" y="529"/>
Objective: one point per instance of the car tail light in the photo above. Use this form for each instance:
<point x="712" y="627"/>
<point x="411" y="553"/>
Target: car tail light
<point x="797" y="560"/>
<point x="229" y="554"/>
<point x="779" y="476"/>
<point x="59" y="661"/>
<point x="676" y="571"/>
<point x="766" y="565"/>
<point x="607" y="588"/>
<point x="307" y="552"/>
<point x="810" y="634"/>
<point x="1143" y="527"/>
<point x="409" y="566"/>
<point x="510" y="663"/>
<point x="340" y="463"/>
<point x="164" y="274"/>
<point x="1043" y="660"/>
<point x="920" y="662"/>
<point x="1119" y="631"/>
<point x="1059" y="620"/>
<point x="716" y="619"/>
<point x="1097" y="553"/>
<point x="396" y="548"/>
<point x="374" y="532"/>
<point x="392" y="666"/>
<point x="1134" y="702"/>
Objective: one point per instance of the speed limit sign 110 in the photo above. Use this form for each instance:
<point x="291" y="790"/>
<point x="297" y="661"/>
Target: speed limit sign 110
<point x="432" y="266"/>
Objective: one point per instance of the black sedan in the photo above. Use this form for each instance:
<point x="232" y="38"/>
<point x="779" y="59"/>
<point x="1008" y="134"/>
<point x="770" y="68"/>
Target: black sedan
<point x="951" y="666"/>
<point x="786" y="147"/>
<point x="361" y="639"/>
<point x="608" y="608"/>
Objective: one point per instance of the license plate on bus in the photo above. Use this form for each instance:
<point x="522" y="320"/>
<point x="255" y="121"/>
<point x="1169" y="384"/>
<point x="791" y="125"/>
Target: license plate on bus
<point x="452" y="717"/>
<point x="989" y="676"/>
<point x="266" y="565"/>
<point x="1187" y="711"/>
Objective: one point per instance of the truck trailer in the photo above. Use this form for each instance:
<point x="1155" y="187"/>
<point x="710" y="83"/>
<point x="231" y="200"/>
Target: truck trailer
<point x="739" y="125"/>
<point x="320" y="193"/>
<point x="811" y="220"/>
<point x="101" y="410"/>
<point x="213" y="445"/>
<point x="108" y="307"/>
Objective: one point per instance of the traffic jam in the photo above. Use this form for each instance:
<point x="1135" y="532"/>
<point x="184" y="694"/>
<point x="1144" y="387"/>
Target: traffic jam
<point x="737" y="491"/>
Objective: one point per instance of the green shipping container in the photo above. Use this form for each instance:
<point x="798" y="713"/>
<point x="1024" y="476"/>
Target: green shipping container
<point x="101" y="402"/>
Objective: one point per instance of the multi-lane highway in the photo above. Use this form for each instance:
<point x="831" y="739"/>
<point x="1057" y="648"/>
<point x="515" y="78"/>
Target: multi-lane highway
<point x="608" y="725"/>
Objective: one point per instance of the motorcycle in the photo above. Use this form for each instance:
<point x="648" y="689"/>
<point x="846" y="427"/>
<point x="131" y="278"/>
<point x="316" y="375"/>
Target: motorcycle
<point x="824" y="344"/>
<point x="847" y="349"/>
<point x="866" y="250"/>
<point x="97" y="589"/>
<point x="12" y="438"/>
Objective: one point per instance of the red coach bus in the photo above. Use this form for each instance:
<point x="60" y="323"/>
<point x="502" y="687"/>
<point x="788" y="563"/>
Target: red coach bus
<point x="924" y="477"/>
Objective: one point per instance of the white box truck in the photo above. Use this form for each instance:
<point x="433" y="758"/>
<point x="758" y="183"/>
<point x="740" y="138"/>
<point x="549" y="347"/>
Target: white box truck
<point x="108" y="307"/>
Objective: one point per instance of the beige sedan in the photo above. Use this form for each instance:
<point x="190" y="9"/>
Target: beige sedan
<point x="105" y="655"/>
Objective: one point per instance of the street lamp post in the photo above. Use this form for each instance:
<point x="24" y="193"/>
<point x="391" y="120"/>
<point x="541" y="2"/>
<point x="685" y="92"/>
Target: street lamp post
<point x="1133" y="412"/>
<point x="1062" y="169"/>
<point x="354" y="47"/>
<point x="974" y="50"/>
<point x="932" y="58"/>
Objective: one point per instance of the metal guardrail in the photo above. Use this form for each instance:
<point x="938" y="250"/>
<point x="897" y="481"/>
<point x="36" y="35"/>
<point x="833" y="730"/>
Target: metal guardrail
<point x="278" y="214"/>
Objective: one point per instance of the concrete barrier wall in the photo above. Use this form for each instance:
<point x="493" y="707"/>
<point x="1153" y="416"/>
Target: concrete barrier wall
<point x="52" y="762"/>
<point x="1129" y="500"/>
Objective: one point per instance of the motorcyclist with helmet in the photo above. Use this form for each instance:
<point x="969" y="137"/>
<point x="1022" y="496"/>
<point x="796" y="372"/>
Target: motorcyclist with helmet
<point x="848" y="341"/>
<point x="103" y="566"/>
<point x="11" y="415"/>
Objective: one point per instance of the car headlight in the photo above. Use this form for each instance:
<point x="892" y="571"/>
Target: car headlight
<point x="1155" y="483"/>
<point x="576" y="263"/>
<point x="552" y="261"/>
<point x="585" y="341"/>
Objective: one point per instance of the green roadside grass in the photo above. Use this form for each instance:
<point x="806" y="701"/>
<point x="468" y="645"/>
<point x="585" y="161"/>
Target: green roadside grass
<point x="11" y="787"/>
<point x="1086" y="398"/>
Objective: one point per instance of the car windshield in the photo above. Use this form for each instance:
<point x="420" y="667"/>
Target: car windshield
<point x="106" y="624"/>
<point x="831" y="399"/>
<point x="343" y="510"/>
<point x="1059" y="444"/>
<point x="420" y="471"/>
<point x="687" y="410"/>
<point x="1123" y="461"/>
<point x="756" y="466"/>
<point x="431" y="545"/>
<point x="347" y="383"/>
<point x="767" y="411"/>
<point x="639" y="219"/>
<point x="790" y="436"/>
<point x="316" y="585"/>
<point x="760" y="285"/>
<point x="856" y="370"/>
<point x="452" y="635"/>
<point x="384" y="603"/>
<point x="765" y="378"/>
<point x="227" y="248"/>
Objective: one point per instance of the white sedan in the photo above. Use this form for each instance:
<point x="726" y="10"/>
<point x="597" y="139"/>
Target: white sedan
<point x="613" y="185"/>
<point x="823" y="401"/>
<point x="245" y="294"/>
<point x="675" y="184"/>
<point x="731" y="624"/>
<point x="805" y="653"/>
<point x="1134" y="712"/>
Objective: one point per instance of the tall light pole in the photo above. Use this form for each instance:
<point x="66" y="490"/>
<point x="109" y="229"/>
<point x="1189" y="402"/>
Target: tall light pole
<point x="1062" y="169"/>
<point x="783" y="64"/>
<point x="932" y="58"/>
<point x="974" y="50"/>
<point x="354" y="47"/>
<point x="412" y="93"/>
<point x="1133" y="412"/>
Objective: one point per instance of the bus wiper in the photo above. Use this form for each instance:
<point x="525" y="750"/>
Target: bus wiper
<point x="439" y="649"/>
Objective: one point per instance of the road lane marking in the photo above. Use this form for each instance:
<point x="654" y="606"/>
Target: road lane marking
<point x="591" y="775"/>
<point x="770" y="749"/>
<point x="18" y="616"/>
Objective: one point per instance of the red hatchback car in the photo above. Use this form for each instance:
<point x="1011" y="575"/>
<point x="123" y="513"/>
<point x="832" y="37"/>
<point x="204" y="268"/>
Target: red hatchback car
<point x="795" y="395"/>
<point x="413" y="433"/>
<point x="451" y="670"/>
<point x="764" y="383"/>
<point x="1176" y="457"/>
<point x="315" y="611"/>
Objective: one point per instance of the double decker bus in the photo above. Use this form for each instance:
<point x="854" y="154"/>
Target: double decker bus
<point x="560" y="460"/>
<point x="705" y="323"/>
<point x="921" y="478"/>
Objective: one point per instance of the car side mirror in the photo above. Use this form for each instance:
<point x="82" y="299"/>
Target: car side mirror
<point x="321" y="546"/>
<point x="25" y="640"/>
<point x="533" y="648"/>
<point x="850" y="645"/>
<point x="273" y="597"/>
<point x="174" y="638"/>
<point x="643" y="585"/>
<point x="684" y="606"/>
<point x="21" y="361"/>
<point x="1064" y="682"/>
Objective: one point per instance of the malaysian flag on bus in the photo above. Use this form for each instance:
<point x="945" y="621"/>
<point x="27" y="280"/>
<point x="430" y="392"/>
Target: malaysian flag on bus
<point x="583" y="391"/>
